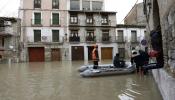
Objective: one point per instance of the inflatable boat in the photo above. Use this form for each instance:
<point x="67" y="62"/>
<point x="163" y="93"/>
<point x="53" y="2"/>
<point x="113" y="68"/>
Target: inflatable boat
<point x="85" y="67"/>
<point x="108" y="70"/>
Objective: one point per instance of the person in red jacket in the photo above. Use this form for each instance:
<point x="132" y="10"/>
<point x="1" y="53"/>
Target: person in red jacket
<point x="95" y="57"/>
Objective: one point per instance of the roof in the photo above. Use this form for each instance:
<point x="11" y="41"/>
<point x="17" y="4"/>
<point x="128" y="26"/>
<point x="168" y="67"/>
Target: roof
<point x="130" y="26"/>
<point x="13" y="19"/>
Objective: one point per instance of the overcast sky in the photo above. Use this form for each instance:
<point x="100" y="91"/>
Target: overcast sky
<point x="122" y="7"/>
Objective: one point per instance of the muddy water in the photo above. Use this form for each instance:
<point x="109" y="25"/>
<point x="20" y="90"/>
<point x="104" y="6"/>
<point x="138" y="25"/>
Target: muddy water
<point x="61" y="81"/>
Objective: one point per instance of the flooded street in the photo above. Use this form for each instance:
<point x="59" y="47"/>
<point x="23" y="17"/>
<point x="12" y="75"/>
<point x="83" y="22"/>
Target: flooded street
<point x="61" y="81"/>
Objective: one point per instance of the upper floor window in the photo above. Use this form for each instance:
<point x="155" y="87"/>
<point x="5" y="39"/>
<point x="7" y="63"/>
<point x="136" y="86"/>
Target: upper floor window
<point x="89" y="19"/>
<point x="105" y="35"/>
<point x="55" y="4"/>
<point x="90" y="36"/>
<point x="37" y="35"/>
<point x="74" y="19"/>
<point x="104" y="19"/>
<point x="74" y="5"/>
<point x="133" y="36"/>
<point x="74" y="36"/>
<point x="55" y="35"/>
<point x="37" y="18"/>
<point x="97" y="5"/>
<point x="86" y="5"/>
<point x="55" y="18"/>
<point x="120" y="36"/>
<point x="37" y="3"/>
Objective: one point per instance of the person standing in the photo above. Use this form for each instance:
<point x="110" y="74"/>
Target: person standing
<point x="95" y="57"/>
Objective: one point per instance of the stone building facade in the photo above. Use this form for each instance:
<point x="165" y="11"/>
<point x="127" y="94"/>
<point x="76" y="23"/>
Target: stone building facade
<point x="90" y="24"/>
<point x="161" y="13"/>
<point x="55" y="30"/>
<point x="136" y="16"/>
<point x="10" y="39"/>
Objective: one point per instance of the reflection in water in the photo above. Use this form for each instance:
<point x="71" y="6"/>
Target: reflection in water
<point x="61" y="81"/>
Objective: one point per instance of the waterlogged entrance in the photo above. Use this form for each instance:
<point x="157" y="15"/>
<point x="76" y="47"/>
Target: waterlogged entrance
<point x="61" y="81"/>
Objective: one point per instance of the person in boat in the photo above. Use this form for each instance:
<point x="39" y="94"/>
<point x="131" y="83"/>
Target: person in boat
<point x="95" y="57"/>
<point x="118" y="62"/>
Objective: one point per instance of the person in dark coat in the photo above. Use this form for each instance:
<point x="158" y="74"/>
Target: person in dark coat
<point x="117" y="62"/>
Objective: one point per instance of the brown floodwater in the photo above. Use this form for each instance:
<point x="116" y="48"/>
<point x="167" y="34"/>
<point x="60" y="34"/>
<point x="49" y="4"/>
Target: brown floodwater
<point x="61" y="81"/>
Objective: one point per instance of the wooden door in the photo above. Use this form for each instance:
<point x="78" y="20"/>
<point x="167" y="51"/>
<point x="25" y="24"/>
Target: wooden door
<point x="106" y="53"/>
<point x="77" y="53"/>
<point x="55" y="54"/>
<point x="36" y="54"/>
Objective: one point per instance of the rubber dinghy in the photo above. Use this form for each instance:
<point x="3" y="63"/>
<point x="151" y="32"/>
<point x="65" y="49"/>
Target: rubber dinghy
<point x="108" y="70"/>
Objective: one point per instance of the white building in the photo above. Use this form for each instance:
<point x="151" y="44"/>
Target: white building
<point x="131" y="37"/>
<point x="43" y="27"/>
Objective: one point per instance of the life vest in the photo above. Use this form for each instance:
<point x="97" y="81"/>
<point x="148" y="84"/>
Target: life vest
<point x="94" y="57"/>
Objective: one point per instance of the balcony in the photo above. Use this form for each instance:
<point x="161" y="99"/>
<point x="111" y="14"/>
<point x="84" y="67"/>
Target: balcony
<point x="74" y="39"/>
<point x="36" y="22"/>
<point x="44" y="40"/>
<point x="120" y="39"/>
<point x="6" y="31"/>
<point x="90" y="39"/>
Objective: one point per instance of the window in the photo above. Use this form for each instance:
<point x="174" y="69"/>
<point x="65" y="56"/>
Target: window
<point x="121" y="51"/>
<point x="74" y="5"/>
<point x="90" y="35"/>
<point x="74" y="19"/>
<point x="55" y="4"/>
<point x="133" y="36"/>
<point x="97" y="5"/>
<point x="74" y="36"/>
<point x="104" y="20"/>
<point x="105" y="35"/>
<point x="86" y="5"/>
<point x="55" y="18"/>
<point x="89" y="19"/>
<point x="55" y="35"/>
<point x="120" y="37"/>
<point x="37" y="35"/>
<point x="37" y="18"/>
<point x="37" y="3"/>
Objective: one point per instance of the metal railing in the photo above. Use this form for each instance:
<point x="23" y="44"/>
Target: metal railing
<point x="74" y="39"/>
<point x="45" y="39"/>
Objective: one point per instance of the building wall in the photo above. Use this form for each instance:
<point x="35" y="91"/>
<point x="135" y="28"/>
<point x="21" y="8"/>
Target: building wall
<point x="10" y="37"/>
<point x="26" y="13"/>
<point x="162" y="12"/>
<point x="136" y="16"/>
<point x="127" y="37"/>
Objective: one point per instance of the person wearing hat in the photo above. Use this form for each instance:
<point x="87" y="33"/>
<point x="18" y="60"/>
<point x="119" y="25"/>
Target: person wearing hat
<point x="95" y="57"/>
